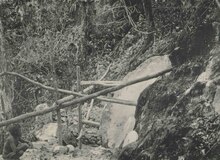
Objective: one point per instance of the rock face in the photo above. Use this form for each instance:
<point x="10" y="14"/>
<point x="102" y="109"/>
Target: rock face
<point x="113" y="128"/>
<point x="177" y="121"/>
<point x="216" y="101"/>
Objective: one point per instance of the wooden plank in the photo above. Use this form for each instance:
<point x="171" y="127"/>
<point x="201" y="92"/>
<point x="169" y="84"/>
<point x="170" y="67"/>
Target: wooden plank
<point x="82" y="99"/>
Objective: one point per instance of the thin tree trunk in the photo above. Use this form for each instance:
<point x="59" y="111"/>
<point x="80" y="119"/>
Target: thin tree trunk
<point x="147" y="6"/>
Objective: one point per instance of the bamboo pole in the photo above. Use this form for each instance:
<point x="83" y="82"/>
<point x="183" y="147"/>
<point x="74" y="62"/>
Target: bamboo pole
<point x="82" y="99"/>
<point x="79" y="106"/>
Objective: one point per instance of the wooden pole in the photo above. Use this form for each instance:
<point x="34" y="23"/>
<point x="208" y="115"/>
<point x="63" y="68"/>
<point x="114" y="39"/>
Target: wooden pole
<point x="102" y="98"/>
<point x="79" y="106"/>
<point x="3" y="107"/>
<point x="87" y="118"/>
<point x="101" y="83"/>
<point x="59" y="120"/>
<point x="82" y="99"/>
<point x="59" y="123"/>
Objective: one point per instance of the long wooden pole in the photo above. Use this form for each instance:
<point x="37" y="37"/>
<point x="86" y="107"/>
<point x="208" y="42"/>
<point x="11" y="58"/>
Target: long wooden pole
<point x="82" y="99"/>
<point x="119" y="101"/>
<point x="101" y="83"/>
<point x="55" y="83"/>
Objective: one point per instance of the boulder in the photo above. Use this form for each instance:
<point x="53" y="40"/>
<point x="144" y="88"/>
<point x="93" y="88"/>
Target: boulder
<point x="60" y="150"/>
<point x="48" y="132"/>
<point x="116" y="116"/>
<point x="130" y="138"/>
<point x="70" y="148"/>
<point x="40" y="145"/>
<point x="35" y="154"/>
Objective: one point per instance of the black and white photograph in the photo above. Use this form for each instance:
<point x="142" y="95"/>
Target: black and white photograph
<point x="109" y="79"/>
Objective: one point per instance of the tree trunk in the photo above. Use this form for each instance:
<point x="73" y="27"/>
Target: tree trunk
<point x="3" y="109"/>
<point x="147" y="6"/>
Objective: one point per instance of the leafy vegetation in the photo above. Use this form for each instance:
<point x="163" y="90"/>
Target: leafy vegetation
<point x="46" y="39"/>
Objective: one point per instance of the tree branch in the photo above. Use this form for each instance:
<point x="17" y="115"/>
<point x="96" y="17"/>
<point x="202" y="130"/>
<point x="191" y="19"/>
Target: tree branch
<point x="82" y="99"/>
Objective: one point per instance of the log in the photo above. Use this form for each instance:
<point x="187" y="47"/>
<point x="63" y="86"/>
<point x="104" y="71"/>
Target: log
<point x="41" y="85"/>
<point x="68" y="98"/>
<point x="82" y="99"/>
<point x="101" y="83"/>
<point x="101" y="98"/>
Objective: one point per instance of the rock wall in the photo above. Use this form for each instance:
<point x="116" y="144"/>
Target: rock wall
<point x="179" y="116"/>
<point x="121" y="117"/>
